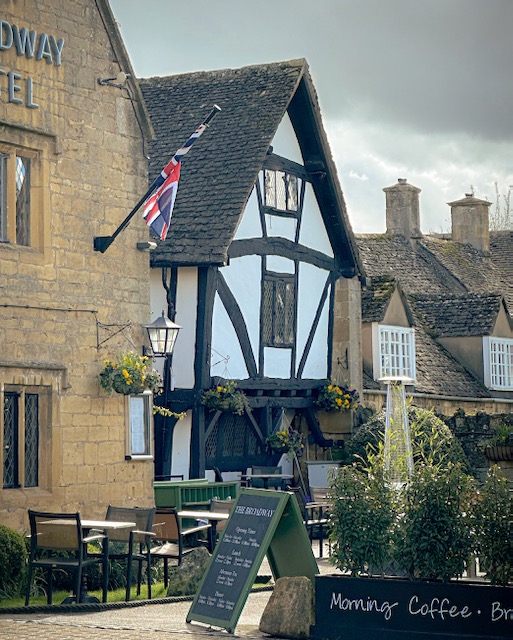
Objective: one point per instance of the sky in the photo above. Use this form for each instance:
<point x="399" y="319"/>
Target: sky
<point x="415" y="89"/>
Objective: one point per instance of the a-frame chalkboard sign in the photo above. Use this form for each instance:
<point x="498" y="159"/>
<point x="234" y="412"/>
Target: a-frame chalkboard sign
<point x="262" y="522"/>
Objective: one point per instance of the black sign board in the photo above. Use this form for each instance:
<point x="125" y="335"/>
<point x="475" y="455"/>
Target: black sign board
<point x="362" y="608"/>
<point x="262" y="521"/>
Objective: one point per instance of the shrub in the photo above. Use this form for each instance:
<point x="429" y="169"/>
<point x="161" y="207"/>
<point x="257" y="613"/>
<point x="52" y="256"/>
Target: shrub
<point x="434" y="533"/>
<point x="13" y="562"/>
<point x="432" y="440"/>
<point x="493" y="512"/>
<point x="361" y="518"/>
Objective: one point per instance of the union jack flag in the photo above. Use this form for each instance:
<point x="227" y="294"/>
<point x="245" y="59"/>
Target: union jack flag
<point x="158" y="209"/>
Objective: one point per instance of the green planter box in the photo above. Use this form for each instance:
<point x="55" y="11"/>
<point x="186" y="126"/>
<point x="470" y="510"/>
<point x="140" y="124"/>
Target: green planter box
<point x="192" y="493"/>
<point x="396" y="609"/>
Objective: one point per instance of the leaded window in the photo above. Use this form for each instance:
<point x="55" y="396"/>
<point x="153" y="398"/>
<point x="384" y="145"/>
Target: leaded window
<point x="21" y="440"/>
<point x="498" y="363"/>
<point x="232" y="438"/>
<point x="278" y="310"/>
<point x="281" y="190"/>
<point x="16" y="185"/>
<point x="22" y="201"/>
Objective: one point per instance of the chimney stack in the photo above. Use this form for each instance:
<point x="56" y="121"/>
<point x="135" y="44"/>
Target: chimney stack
<point x="402" y="210"/>
<point x="470" y="222"/>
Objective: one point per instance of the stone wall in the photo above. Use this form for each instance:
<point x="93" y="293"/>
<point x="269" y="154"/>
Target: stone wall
<point x="60" y="298"/>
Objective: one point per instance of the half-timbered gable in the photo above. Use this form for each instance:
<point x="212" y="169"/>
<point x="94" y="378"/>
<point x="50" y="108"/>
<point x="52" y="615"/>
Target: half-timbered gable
<point x="258" y="240"/>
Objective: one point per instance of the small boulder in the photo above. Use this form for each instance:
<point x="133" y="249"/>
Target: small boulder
<point x="290" y="610"/>
<point x="184" y="580"/>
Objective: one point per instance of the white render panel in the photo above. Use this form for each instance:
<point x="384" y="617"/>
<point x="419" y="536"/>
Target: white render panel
<point x="182" y="446"/>
<point x="311" y="283"/>
<point x="278" y="227"/>
<point x="186" y="317"/>
<point x="158" y="304"/>
<point x="313" y="232"/>
<point x="285" y="142"/>
<point x="277" y="362"/>
<point x="243" y="276"/>
<point x="317" y="362"/>
<point x="227" y="360"/>
<point x="250" y="225"/>
<point x="279" y="264"/>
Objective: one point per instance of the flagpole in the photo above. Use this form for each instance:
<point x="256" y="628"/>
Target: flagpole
<point x="102" y="243"/>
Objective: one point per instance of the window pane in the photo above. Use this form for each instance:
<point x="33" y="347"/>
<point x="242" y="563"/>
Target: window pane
<point x="270" y="188"/>
<point x="267" y="312"/>
<point x="31" y="440"/>
<point x="292" y="188"/>
<point x="11" y="440"/>
<point x="22" y="201"/>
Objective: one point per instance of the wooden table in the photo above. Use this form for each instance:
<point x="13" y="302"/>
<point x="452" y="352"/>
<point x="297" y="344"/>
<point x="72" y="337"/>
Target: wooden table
<point x="88" y="525"/>
<point x="317" y="517"/>
<point x="213" y="518"/>
<point x="265" y="477"/>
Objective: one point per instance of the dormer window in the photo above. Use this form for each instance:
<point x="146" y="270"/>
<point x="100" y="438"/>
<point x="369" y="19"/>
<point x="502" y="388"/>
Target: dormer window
<point x="393" y="352"/>
<point x="281" y="190"/>
<point x="498" y="363"/>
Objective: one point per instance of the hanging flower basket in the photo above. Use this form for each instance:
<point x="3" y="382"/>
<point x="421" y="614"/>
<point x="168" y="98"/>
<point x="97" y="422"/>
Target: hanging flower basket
<point x="499" y="453"/>
<point x="226" y="397"/>
<point x="334" y="397"/>
<point x="130" y="374"/>
<point x="500" y="447"/>
<point x="285" y="440"/>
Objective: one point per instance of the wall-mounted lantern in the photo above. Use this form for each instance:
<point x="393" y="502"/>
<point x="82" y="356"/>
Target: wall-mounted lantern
<point x="162" y="334"/>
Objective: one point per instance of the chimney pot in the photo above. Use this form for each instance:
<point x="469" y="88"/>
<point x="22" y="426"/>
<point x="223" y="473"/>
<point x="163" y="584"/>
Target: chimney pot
<point x="402" y="210"/>
<point x="470" y="222"/>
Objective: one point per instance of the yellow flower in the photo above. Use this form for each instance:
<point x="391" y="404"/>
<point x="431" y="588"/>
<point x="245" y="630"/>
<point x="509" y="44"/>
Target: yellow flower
<point x="125" y="373"/>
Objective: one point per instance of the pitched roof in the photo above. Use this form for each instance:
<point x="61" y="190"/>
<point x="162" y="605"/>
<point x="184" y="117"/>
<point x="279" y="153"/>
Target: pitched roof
<point x="501" y="254"/>
<point x="473" y="314"/>
<point x="219" y="174"/>
<point x="429" y="265"/>
<point x="451" y="289"/>
<point x="376" y="297"/>
<point x="440" y="374"/>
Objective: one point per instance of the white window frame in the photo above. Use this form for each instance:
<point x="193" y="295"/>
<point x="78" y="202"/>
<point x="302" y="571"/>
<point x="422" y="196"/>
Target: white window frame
<point x="498" y="363"/>
<point x="139" y="427"/>
<point x="397" y="345"/>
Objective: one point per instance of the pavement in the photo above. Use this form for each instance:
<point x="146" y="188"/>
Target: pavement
<point x="148" y="620"/>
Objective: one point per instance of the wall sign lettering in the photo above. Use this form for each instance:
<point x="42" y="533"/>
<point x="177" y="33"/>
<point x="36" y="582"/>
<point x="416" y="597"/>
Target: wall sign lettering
<point x="30" y="44"/>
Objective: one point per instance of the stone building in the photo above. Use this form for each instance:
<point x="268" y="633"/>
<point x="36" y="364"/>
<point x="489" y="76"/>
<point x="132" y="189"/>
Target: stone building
<point x="437" y="310"/>
<point x="72" y="165"/>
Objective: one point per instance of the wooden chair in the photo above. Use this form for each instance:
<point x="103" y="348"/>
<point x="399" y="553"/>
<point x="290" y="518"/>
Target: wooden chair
<point x="132" y="545"/>
<point x="314" y="515"/>
<point x="57" y="542"/>
<point x="220" y="506"/>
<point x="259" y="483"/>
<point x="169" y="538"/>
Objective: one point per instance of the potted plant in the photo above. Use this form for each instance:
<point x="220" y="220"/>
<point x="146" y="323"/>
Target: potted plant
<point x="333" y="397"/>
<point x="500" y="447"/>
<point x="225" y="397"/>
<point x="429" y="529"/>
<point x="285" y="440"/>
<point x="129" y="374"/>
